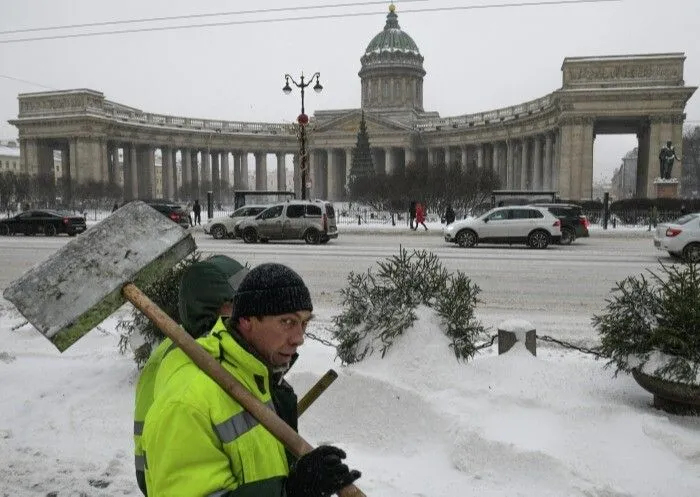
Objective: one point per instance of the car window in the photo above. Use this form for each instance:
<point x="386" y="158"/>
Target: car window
<point x="520" y="214"/>
<point x="26" y="214"/>
<point x="240" y="212"/>
<point x="255" y="210"/>
<point x="272" y="212"/>
<point x="294" y="210"/>
<point x="313" y="210"/>
<point x="685" y="219"/>
<point x="330" y="211"/>
<point x="499" y="215"/>
<point x="534" y="214"/>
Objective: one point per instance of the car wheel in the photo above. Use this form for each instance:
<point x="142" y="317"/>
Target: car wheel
<point x="312" y="237"/>
<point x="4" y="230"/>
<point x="50" y="230"/>
<point x="250" y="235"/>
<point x="538" y="239"/>
<point x="691" y="252"/>
<point x="567" y="236"/>
<point x="466" y="238"/>
<point x="218" y="231"/>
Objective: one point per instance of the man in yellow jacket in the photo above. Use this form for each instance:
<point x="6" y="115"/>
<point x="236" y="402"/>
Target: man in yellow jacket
<point x="199" y="442"/>
<point x="205" y="296"/>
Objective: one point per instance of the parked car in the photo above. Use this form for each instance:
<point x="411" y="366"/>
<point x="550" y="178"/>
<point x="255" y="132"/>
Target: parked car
<point x="311" y="221"/>
<point x="171" y="210"/>
<point x="223" y="226"/>
<point x="573" y="223"/>
<point x="45" y="221"/>
<point x="534" y="226"/>
<point x="681" y="238"/>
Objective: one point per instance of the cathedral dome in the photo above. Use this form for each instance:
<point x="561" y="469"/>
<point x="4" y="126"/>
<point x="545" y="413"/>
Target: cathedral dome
<point x="392" y="39"/>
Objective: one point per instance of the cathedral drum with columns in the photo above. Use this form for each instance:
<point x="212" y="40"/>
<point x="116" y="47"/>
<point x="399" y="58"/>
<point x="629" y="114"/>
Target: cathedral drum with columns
<point x="543" y="144"/>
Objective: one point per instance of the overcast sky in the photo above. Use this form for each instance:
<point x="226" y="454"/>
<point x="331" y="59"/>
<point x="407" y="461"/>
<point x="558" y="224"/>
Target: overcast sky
<point x="476" y="60"/>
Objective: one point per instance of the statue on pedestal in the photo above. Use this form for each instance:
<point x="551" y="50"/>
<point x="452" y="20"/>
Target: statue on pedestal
<point x="667" y="156"/>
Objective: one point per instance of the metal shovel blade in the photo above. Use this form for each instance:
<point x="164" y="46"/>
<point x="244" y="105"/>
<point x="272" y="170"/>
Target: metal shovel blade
<point x="79" y="286"/>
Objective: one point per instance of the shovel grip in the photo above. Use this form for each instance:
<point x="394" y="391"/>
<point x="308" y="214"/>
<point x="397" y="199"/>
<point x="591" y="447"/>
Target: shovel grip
<point x="316" y="391"/>
<point x="266" y="416"/>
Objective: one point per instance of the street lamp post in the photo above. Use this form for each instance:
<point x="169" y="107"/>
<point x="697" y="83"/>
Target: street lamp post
<point x="302" y="120"/>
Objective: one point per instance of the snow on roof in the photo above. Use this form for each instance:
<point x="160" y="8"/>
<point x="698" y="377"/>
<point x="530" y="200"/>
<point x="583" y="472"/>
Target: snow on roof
<point x="9" y="151"/>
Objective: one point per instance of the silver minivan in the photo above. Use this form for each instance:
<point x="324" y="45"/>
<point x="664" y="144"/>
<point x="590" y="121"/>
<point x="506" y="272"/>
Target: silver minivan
<point x="310" y="220"/>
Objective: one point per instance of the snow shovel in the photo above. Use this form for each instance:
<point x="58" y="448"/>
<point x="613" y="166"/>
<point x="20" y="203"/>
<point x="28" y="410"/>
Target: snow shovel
<point x="90" y="277"/>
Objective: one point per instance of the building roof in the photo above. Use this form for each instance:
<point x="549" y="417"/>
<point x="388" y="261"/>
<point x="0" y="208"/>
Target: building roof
<point x="392" y="39"/>
<point x="9" y="151"/>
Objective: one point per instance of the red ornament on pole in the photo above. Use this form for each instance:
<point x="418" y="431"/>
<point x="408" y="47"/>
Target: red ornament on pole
<point x="303" y="119"/>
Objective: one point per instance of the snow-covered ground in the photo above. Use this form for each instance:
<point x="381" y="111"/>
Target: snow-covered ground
<point x="416" y="423"/>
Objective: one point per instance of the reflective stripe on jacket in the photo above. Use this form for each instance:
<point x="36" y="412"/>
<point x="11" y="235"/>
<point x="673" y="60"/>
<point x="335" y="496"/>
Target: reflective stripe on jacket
<point x="200" y="442"/>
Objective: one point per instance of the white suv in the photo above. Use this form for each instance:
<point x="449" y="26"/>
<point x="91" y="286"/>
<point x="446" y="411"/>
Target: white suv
<point x="534" y="226"/>
<point x="223" y="226"/>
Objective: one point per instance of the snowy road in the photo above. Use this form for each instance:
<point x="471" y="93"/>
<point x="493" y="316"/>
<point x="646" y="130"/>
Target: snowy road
<point x="550" y="287"/>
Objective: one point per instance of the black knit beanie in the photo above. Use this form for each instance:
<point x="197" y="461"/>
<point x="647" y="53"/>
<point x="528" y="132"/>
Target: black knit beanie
<point x="269" y="290"/>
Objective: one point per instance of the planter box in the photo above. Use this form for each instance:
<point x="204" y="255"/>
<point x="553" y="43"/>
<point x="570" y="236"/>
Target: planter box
<point x="676" y="398"/>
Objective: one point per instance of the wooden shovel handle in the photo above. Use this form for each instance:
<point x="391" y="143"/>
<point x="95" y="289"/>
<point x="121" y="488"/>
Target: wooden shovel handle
<point x="316" y="391"/>
<point x="266" y="416"/>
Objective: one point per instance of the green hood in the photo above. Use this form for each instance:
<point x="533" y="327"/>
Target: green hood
<point x="205" y="286"/>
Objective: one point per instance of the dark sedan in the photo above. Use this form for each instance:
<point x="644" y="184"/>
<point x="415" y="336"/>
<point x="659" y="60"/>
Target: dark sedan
<point x="47" y="222"/>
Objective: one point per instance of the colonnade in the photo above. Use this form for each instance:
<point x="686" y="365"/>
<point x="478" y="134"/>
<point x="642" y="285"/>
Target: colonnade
<point x="184" y="173"/>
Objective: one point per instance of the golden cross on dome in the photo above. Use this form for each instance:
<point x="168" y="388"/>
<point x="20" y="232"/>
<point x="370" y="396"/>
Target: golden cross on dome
<point x="392" y="8"/>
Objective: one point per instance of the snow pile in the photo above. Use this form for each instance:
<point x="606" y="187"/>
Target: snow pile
<point x="417" y="423"/>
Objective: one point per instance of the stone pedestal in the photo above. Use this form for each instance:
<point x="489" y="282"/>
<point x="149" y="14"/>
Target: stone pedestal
<point x="516" y="330"/>
<point x="666" y="188"/>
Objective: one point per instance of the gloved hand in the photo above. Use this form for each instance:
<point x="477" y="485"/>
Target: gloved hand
<point x="320" y="473"/>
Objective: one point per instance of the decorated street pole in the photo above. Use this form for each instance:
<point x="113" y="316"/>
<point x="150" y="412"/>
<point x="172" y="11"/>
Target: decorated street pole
<point x="302" y="120"/>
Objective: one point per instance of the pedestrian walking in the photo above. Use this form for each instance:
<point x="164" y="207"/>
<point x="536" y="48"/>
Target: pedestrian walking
<point x="197" y="210"/>
<point x="420" y="216"/>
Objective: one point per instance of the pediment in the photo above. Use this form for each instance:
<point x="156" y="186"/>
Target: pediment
<point x="350" y="123"/>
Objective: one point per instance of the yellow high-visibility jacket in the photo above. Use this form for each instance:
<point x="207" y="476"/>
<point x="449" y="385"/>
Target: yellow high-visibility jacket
<point x="198" y="441"/>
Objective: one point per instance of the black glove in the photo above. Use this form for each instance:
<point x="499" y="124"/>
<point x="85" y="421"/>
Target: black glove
<point x="320" y="473"/>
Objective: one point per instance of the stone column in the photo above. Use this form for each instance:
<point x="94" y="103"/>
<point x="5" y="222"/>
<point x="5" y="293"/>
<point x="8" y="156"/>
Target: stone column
<point x="29" y="156"/>
<point x="134" y="173"/>
<point x="260" y="171"/>
<point x="389" y="164"/>
<point x="296" y="164"/>
<point x="245" y="184"/>
<point x="126" y="168"/>
<point x="548" y="158"/>
<point x="215" y="176"/>
<point x="494" y="157"/>
<point x="205" y="178"/>
<point x="166" y="172"/>
<point x="465" y="156"/>
<point x="225" y="173"/>
<point x="409" y="154"/>
<point x="194" y="173"/>
<point x="281" y="171"/>
<point x="510" y="164"/>
<point x="576" y="159"/>
<point x="114" y="176"/>
<point x="525" y="164"/>
<point x="332" y="180"/>
<point x="311" y="173"/>
<point x="537" y="163"/>
<point x="480" y="156"/>
<point x="186" y="170"/>
<point x="237" y="170"/>
<point x="448" y="156"/>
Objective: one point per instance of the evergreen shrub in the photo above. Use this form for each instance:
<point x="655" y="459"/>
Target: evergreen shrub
<point x="164" y="293"/>
<point x="379" y="307"/>
<point x="656" y="314"/>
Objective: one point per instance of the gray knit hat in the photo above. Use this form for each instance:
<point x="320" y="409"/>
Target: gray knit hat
<point x="269" y="290"/>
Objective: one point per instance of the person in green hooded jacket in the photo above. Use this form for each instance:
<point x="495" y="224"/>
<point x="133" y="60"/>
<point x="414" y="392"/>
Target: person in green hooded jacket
<point x="205" y="297"/>
<point x="198" y="441"/>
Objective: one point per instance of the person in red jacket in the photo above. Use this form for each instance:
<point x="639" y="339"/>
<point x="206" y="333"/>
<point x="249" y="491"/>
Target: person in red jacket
<point x="420" y="216"/>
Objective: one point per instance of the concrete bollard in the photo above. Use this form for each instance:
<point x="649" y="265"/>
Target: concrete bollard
<point x="516" y="330"/>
